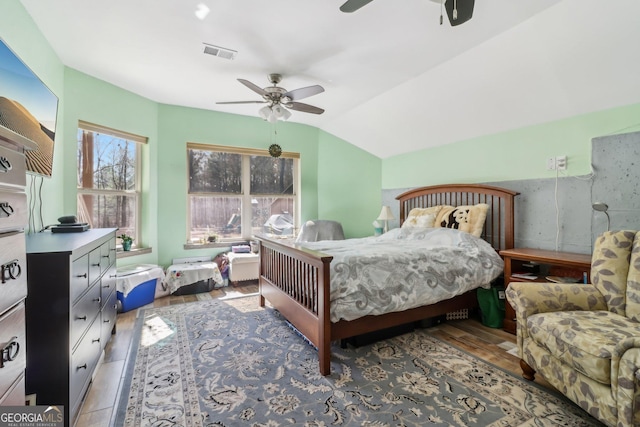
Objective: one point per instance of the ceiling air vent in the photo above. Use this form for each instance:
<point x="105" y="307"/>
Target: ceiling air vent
<point x="222" y="52"/>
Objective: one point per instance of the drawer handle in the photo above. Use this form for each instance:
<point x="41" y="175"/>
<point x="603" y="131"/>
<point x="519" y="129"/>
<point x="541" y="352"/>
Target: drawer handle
<point x="105" y="256"/>
<point x="81" y="317"/>
<point x="106" y="321"/>
<point x="95" y="265"/>
<point x="10" y="270"/>
<point x="106" y="286"/>
<point x="9" y="351"/>
<point x="95" y="340"/>
<point x="96" y="299"/>
<point x="6" y="208"/>
<point x="82" y="275"/>
<point x="81" y="367"/>
<point x="5" y="165"/>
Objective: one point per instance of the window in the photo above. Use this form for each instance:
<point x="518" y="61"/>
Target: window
<point x="109" y="178"/>
<point x="237" y="192"/>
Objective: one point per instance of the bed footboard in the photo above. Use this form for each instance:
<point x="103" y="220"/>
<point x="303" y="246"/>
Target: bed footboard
<point x="296" y="283"/>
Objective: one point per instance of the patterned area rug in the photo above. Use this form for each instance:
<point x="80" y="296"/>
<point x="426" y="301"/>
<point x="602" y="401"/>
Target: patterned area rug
<point x="231" y="363"/>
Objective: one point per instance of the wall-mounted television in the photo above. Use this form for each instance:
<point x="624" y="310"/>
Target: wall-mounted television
<point x="28" y="111"/>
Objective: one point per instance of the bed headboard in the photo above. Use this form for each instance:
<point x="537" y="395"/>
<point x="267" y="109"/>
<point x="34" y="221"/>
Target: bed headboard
<point x="499" y="226"/>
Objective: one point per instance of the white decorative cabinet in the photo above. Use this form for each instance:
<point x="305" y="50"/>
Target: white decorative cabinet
<point x="13" y="273"/>
<point x="71" y="312"/>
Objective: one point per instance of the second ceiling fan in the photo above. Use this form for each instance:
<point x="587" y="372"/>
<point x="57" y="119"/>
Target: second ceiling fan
<point x="458" y="11"/>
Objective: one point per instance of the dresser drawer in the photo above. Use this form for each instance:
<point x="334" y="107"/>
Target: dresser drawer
<point x="83" y="362"/>
<point x="15" y="396"/>
<point x="12" y="335"/>
<point x="13" y="210"/>
<point x="95" y="264"/>
<point x="108" y="315"/>
<point x="13" y="268"/>
<point x="84" y="312"/>
<point x="79" y="277"/>
<point x="12" y="168"/>
<point x="108" y="284"/>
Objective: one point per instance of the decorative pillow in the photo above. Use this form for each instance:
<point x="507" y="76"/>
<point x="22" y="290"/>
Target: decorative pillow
<point x="465" y="218"/>
<point x="422" y="217"/>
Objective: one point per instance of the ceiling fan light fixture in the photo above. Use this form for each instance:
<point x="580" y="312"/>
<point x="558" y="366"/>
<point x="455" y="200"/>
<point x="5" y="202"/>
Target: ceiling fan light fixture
<point x="265" y="112"/>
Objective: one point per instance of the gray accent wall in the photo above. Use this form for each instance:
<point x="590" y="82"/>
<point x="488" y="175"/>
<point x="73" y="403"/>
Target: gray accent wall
<point x="557" y="214"/>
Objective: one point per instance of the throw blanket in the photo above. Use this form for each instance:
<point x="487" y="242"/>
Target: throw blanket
<point x="405" y="268"/>
<point x="179" y="275"/>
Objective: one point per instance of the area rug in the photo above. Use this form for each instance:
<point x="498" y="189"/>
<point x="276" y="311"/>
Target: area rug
<point x="231" y="363"/>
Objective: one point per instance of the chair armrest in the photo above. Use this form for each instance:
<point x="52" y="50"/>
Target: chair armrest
<point x="529" y="298"/>
<point x="625" y="381"/>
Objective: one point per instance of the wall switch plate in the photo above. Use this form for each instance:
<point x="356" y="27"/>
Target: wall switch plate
<point x="551" y="163"/>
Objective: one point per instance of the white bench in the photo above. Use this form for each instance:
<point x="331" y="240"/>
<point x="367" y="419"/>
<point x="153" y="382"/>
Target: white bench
<point x="243" y="266"/>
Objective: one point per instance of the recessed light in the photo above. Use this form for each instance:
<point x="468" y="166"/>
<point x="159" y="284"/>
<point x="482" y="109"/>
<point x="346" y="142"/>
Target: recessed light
<point x="202" y="11"/>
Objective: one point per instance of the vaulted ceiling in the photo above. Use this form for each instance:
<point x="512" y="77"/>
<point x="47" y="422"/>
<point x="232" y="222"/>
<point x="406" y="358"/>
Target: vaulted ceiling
<point x="395" y="80"/>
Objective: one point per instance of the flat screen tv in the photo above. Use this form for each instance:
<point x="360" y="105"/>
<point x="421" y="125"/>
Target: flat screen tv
<point x="28" y="111"/>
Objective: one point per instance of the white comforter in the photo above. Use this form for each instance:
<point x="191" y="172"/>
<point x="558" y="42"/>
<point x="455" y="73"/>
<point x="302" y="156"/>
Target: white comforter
<point x="405" y="268"/>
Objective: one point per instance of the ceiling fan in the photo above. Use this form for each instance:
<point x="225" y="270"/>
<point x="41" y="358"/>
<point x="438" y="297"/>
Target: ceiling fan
<point x="458" y="11"/>
<point x="278" y="97"/>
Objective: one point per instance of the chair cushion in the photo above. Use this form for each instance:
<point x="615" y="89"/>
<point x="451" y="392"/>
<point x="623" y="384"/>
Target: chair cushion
<point x="584" y="340"/>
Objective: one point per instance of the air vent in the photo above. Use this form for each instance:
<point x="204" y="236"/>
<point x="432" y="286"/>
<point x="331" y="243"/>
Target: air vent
<point x="221" y="52"/>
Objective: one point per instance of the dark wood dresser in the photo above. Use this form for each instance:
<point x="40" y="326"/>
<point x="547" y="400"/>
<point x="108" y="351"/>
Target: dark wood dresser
<point x="13" y="278"/>
<point x="71" y="312"/>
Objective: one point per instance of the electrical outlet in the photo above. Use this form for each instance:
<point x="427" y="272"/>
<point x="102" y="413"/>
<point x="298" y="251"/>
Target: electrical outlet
<point x="551" y="163"/>
<point x="561" y="163"/>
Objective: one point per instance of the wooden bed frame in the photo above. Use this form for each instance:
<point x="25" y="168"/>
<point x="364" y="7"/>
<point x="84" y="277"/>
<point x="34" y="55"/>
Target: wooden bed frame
<point x="296" y="280"/>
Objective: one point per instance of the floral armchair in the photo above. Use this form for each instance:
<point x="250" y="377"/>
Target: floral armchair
<point x="584" y="339"/>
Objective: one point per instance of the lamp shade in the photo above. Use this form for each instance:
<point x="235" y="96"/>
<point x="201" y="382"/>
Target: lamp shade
<point x="386" y="214"/>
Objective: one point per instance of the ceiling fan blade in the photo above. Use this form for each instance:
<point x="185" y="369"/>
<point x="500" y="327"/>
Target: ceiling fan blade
<point x="242" y="102"/>
<point x="305" y="108"/>
<point x="253" y="87"/>
<point x="464" y="10"/>
<point x="304" y="92"/>
<point x="353" y="5"/>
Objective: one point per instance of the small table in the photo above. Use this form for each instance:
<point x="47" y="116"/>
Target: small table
<point x="552" y="263"/>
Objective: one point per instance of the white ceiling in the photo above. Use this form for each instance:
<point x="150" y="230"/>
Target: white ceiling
<point x="395" y="80"/>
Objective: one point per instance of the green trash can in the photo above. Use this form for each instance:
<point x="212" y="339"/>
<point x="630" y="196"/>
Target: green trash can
<point x="491" y="302"/>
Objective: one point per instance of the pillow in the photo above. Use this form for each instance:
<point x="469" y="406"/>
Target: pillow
<point x="465" y="218"/>
<point x="422" y="217"/>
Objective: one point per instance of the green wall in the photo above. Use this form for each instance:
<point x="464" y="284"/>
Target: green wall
<point x="19" y="32"/>
<point x="179" y="125"/>
<point x="513" y="155"/>
<point x="95" y="101"/>
<point x="348" y="185"/>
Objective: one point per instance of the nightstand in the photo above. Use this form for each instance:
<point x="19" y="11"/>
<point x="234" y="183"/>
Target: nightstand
<point x="573" y="267"/>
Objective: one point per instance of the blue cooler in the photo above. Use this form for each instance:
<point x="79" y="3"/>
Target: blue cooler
<point x="136" y="285"/>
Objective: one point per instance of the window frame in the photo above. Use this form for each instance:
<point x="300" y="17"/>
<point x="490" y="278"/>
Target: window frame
<point x="136" y="193"/>
<point x="245" y="194"/>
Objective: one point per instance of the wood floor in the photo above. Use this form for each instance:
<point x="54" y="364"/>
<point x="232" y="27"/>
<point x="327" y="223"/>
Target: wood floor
<point x="100" y="404"/>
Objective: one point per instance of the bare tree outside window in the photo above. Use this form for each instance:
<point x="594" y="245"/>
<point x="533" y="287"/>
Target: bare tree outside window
<point x="108" y="184"/>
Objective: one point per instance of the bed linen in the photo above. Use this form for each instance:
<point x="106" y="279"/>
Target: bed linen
<point x="405" y="268"/>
